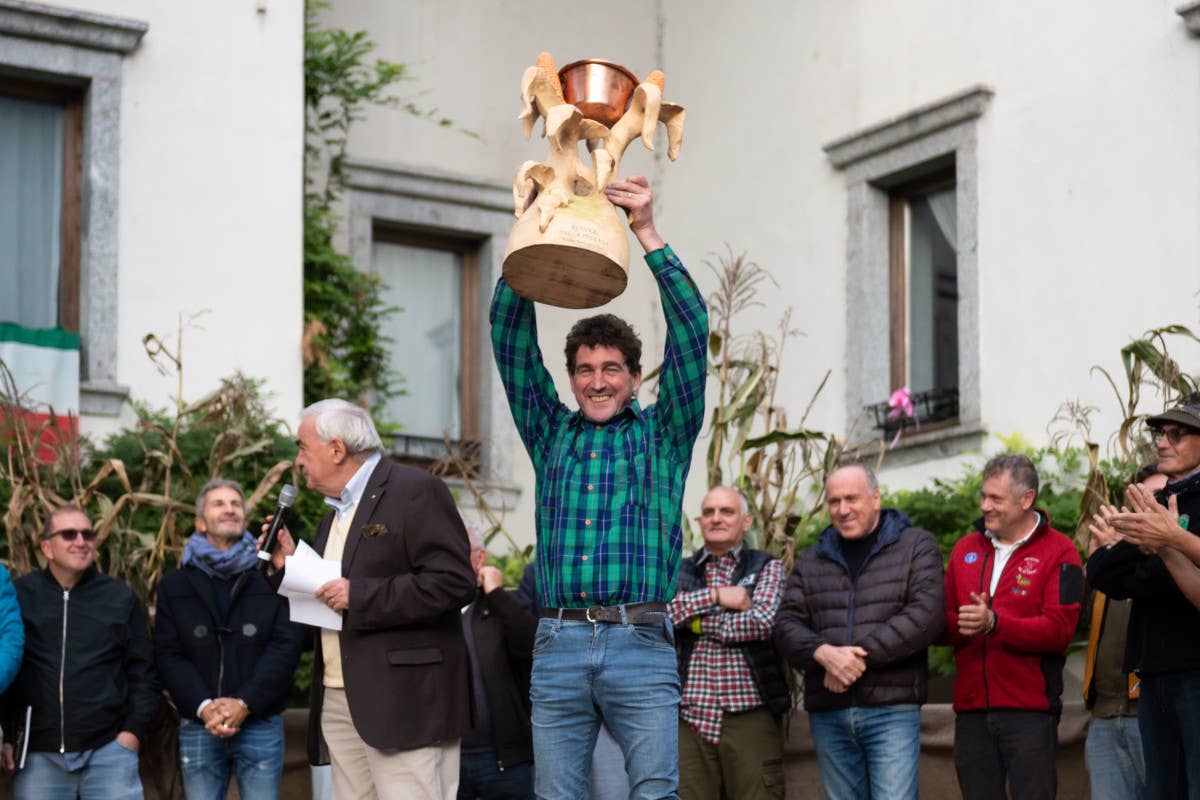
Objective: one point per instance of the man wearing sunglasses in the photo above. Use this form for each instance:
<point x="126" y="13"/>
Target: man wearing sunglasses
<point x="87" y="674"/>
<point x="1163" y="645"/>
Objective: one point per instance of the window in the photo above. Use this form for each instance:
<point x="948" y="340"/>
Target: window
<point x="434" y="282"/>
<point x="41" y="140"/>
<point x="923" y="295"/>
<point x="438" y="241"/>
<point x="61" y="72"/>
<point x="912" y="196"/>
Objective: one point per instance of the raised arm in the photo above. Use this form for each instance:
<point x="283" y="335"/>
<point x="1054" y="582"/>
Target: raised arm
<point x="532" y="397"/>
<point x="681" y="383"/>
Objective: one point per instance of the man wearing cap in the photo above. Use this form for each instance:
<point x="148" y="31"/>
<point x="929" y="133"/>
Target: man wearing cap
<point x="226" y="652"/>
<point x="1163" y="646"/>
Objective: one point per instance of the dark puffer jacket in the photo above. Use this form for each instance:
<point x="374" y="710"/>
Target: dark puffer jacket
<point x="894" y="611"/>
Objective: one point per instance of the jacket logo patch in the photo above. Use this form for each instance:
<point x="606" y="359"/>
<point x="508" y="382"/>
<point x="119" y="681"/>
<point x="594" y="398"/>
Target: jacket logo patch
<point x="970" y="558"/>
<point x="749" y="579"/>
<point x="1029" y="565"/>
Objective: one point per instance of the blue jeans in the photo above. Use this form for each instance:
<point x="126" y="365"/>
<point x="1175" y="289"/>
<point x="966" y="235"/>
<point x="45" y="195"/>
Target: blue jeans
<point x="255" y="755"/>
<point x="1114" y="759"/>
<point x="111" y="774"/>
<point x="608" y="780"/>
<point x="622" y="674"/>
<point x="480" y="776"/>
<point x="1169" y="720"/>
<point x="868" y="751"/>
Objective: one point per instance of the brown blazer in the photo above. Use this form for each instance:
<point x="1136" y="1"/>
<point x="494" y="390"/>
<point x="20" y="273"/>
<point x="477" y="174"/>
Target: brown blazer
<point x="403" y="657"/>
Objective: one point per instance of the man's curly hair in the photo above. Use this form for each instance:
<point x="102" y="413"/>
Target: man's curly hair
<point x="605" y="330"/>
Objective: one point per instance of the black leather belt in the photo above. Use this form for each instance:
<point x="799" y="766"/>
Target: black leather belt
<point x="635" y="613"/>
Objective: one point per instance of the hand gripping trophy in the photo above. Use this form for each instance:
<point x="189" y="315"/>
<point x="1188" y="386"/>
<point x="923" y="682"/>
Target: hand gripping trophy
<point x="568" y="247"/>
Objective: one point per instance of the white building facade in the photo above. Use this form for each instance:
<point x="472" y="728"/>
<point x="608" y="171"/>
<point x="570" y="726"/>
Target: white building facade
<point x="171" y="179"/>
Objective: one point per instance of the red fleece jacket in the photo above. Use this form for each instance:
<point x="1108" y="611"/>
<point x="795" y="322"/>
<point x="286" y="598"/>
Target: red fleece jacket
<point x="1037" y="602"/>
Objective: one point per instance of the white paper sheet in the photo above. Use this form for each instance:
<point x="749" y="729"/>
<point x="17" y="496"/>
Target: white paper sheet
<point x="304" y="573"/>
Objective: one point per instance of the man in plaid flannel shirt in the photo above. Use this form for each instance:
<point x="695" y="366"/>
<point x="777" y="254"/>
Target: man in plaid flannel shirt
<point x="610" y="481"/>
<point x="734" y="685"/>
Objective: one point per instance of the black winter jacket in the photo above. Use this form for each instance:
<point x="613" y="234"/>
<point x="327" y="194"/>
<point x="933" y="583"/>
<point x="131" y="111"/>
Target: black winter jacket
<point x="894" y="611"/>
<point x="1164" y="627"/>
<point x="90" y="643"/>
<point x="503" y="630"/>
<point x="250" y="654"/>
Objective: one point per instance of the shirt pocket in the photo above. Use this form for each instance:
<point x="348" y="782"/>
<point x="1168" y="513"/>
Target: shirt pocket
<point x="631" y="477"/>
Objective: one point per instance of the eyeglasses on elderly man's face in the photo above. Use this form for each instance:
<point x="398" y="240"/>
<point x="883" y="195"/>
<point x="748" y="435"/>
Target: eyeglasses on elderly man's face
<point x="1173" y="434"/>
<point x="69" y="534"/>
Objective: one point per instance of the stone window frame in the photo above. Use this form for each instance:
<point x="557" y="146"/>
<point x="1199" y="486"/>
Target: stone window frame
<point x="872" y="160"/>
<point x="87" y="50"/>
<point x="460" y="209"/>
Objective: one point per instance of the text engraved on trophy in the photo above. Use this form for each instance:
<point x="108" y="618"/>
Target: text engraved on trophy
<point x="582" y="234"/>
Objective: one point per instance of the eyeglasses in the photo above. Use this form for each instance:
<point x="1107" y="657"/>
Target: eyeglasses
<point x="69" y="534"/>
<point x="1173" y="434"/>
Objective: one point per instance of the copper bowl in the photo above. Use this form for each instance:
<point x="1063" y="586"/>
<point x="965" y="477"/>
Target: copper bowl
<point x="599" y="89"/>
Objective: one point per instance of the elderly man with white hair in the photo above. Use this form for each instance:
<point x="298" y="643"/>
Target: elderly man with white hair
<point x="389" y="691"/>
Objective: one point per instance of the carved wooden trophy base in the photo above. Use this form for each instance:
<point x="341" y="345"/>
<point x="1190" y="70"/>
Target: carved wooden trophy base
<point x="569" y="246"/>
<point x="581" y="261"/>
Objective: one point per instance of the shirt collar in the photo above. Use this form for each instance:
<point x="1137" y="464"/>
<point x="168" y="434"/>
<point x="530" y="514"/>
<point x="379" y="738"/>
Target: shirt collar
<point x="353" y="491"/>
<point x="633" y="409"/>
<point x="736" y="552"/>
<point x="1037" y="523"/>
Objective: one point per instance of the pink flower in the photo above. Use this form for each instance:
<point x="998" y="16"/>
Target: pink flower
<point x="901" y="408"/>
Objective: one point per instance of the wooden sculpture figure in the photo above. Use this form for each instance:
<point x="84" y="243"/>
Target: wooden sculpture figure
<point x="569" y="247"/>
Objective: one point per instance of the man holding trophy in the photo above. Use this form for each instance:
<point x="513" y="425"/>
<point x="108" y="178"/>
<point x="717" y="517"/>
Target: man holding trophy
<point x="610" y="481"/>
<point x="610" y="476"/>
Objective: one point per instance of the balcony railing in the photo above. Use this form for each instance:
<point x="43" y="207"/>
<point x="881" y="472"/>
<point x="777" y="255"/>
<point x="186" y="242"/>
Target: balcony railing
<point x="930" y="407"/>
<point x="447" y="457"/>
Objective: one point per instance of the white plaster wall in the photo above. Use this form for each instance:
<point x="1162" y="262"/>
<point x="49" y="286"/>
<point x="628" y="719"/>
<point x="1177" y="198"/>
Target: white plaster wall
<point x="1088" y="171"/>
<point x="211" y="196"/>
<point x="1089" y="175"/>
<point x="466" y="60"/>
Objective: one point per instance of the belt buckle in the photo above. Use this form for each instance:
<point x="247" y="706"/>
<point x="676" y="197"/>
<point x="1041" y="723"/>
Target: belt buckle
<point x="588" y="614"/>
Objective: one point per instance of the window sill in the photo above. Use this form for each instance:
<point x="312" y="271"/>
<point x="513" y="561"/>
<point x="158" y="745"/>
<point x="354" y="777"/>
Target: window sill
<point x="497" y="498"/>
<point x="99" y="399"/>
<point x="945" y="441"/>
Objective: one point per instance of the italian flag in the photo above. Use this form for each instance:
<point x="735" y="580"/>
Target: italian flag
<point x="44" y="364"/>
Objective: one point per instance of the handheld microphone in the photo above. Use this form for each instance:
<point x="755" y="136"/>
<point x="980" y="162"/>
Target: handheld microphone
<point x="287" y="496"/>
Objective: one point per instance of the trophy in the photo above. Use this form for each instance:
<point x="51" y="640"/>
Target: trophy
<point x="569" y="247"/>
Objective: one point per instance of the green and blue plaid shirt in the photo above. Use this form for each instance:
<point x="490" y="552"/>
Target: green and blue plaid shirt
<point x="609" y="496"/>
